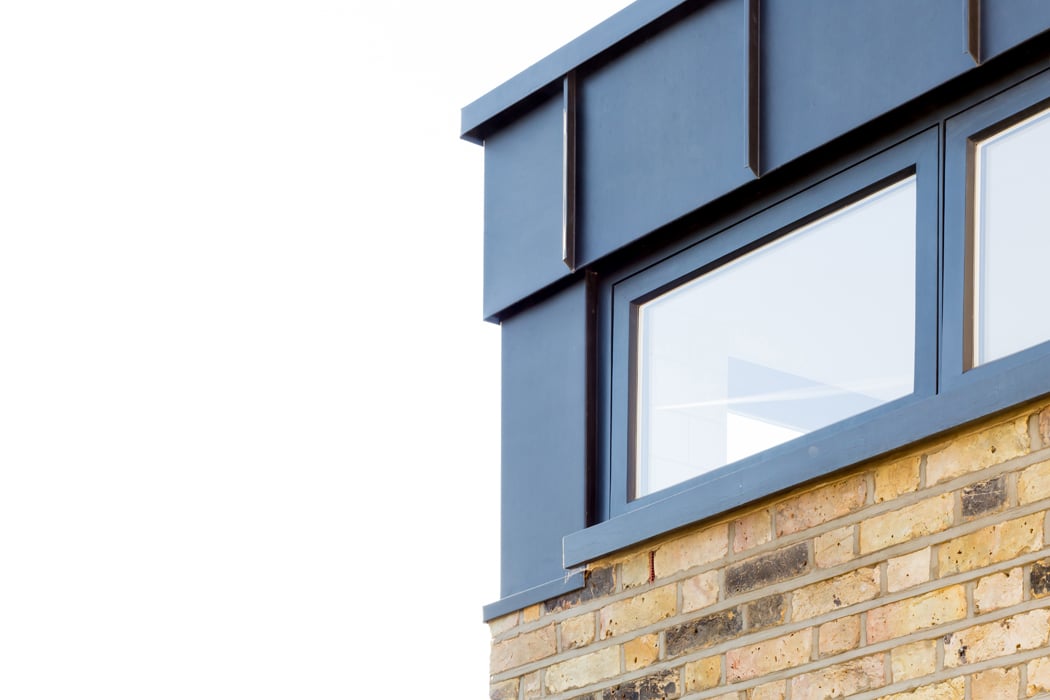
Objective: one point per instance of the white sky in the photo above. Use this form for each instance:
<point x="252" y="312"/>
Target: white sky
<point x="249" y="412"/>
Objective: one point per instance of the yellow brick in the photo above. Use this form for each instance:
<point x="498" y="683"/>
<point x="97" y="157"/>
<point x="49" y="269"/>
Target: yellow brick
<point x="641" y="651"/>
<point x="953" y="689"/>
<point x="1038" y="676"/>
<point x="531" y="613"/>
<point x="989" y="641"/>
<point x="912" y="614"/>
<point x="523" y="649"/>
<point x="923" y="518"/>
<point x="839" y="635"/>
<point x="998" y="591"/>
<point x="577" y="631"/>
<point x="768" y="691"/>
<point x="769" y="656"/>
<point x="507" y="690"/>
<point x="821" y="505"/>
<point x="996" y="684"/>
<point x="532" y="685"/>
<point x="1033" y="484"/>
<point x="699" y="591"/>
<point x="583" y="670"/>
<point x="840" y="680"/>
<point x="908" y="570"/>
<point x="897" y="478"/>
<point x="752" y="530"/>
<point x="635" y="570"/>
<point x="703" y="674"/>
<point x="834" y="547"/>
<point x="990" y="545"/>
<point x="639" y="611"/>
<point x="839" y="592"/>
<point x="914" y="660"/>
<point x="503" y="624"/>
<point x="977" y="451"/>
<point x="698" y="548"/>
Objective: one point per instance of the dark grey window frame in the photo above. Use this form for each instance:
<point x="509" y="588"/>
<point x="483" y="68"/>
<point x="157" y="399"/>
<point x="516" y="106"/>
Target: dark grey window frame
<point x="948" y="393"/>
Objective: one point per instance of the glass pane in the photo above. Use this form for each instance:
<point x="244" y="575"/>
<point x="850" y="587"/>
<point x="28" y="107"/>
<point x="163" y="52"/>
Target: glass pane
<point x="812" y="328"/>
<point x="1012" y="223"/>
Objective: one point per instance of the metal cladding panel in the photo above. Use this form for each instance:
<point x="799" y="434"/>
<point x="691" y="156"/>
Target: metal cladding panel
<point x="831" y="65"/>
<point x="663" y="128"/>
<point x="544" y="451"/>
<point x="1005" y="23"/>
<point x="523" y="207"/>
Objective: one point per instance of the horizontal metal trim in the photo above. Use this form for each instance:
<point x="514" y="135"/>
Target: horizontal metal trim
<point x="530" y="596"/>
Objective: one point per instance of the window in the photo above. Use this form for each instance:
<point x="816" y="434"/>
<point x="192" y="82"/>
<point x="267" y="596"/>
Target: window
<point x="802" y="332"/>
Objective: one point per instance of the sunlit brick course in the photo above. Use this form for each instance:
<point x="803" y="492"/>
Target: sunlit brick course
<point x="699" y="591"/>
<point x="995" y="639"/>
<point x="577" y="631"/>
<point x="772" y="655"/>
<point x="639" y="611"/>
<point x="913" y="614"/>
<point x="1038" y="676"/>
<point x="520" y="650"/>
<point x="840" y="680"/>
<point x="753" y="529"/>
<point x="976" y="451"/>
<point x="1033" y="484"/>
<point x="821" y="505"/>
<point x="839" y="592"/>
<point x="703" y="547"/>
<point x="999" y="590"/>
<point x="996" y="684"/>
<point x="913" y="660"/>
<point x="908" y="523"/>
<point x="991" y="545"/>
<point x="703" y="674"/>
<point x="839" y="635"/>
<point x="908" y="570"/>
<point x="583" y="670"/>
<point x="897" y="478"/>
<point x="834" y="547"/>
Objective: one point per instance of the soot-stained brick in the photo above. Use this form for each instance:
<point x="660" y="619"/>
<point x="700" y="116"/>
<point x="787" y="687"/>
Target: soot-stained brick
<point x="984" y="497"/>
<point x="659" y="686"/>
<point x="769" y="568"/>
<point x="1040" y="578"/>
<point x="599" y="583"/>
<point x="765" y="612"/>
<point x="708" y="630"/>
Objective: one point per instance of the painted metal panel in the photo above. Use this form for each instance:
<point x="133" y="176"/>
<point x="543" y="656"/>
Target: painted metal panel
<point x="829" y="66"/>
<point x="663" y="128"/>
<point x="523" y="206"/>
<point x="544" y="447"/>
<point x="1006" y="23"/>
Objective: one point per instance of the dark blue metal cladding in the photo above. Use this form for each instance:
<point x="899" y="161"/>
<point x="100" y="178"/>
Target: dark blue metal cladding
<point x="544" y="447"/>
<point x="829" y="66"/>
<point x="523" y="206"/>
<point x="1005" y="23"/>
<point x="663" y="128"/>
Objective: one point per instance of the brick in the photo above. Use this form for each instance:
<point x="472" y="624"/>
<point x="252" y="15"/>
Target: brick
<point x="577" y="631"/>
<point x="769" y="568"/>
<point x="1020" y="632"/>
<point x="752" y="530"/>
<point x="507" y="690"/>
<point x="583" y="670"/>
<point x="1038" y="676"/>
<point x="765" y="612"/>
<point x="704" y="632"/>
<point x="1033" y="484"/>
<point x="996" y="684"/>
<point x="913" y="614"/>
<point x="503" y="624"/>
<point x="1044" y="426"/>
<point x="833" y="548"/>
<point x="599" y="583"/>
<point x="699" y="591"/>
<point x="908" y="570"/>
<point x="1039" y="579"/>
<point x="641" y="610"/>
<point x="897" y="478"/>
<point x="839" y="592"/>
<point x="703" y="674"/>
<point x="772" y="655"/>
<point x="990" y="545"/>
<point x="913" y="660"/>
<point x="976" y="451"/>
<point x="821" y="505"/>
<point x="839" y="635"/>
<point x="838" y="681"/>
<point x="998" y="591"/>
<point x="655" y="687"/>
<point x="905" y="524"/>
<point x="634" y="571"/>
<point x="983" y="497"/>
<point x="684" y="553"/>
<point x="952" y="689"/>
<point x="531" y="613"/>
<point x="641" y="651"/>
<point x="532" y="685"/>
<point x="768" y="691"/>
<point x="523" y="649"/>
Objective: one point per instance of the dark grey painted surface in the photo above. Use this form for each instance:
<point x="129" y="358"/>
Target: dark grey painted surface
<point x="1006" y="23"/>
<point x="523" y="206"/>
<point x="662" y="128"/>
<point x="831" y="65"/>
<point x="544" y="450"/>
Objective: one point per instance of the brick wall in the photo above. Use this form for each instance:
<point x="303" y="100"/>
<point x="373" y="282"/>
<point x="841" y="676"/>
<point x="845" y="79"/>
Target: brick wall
<point x="923" y="575"/>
